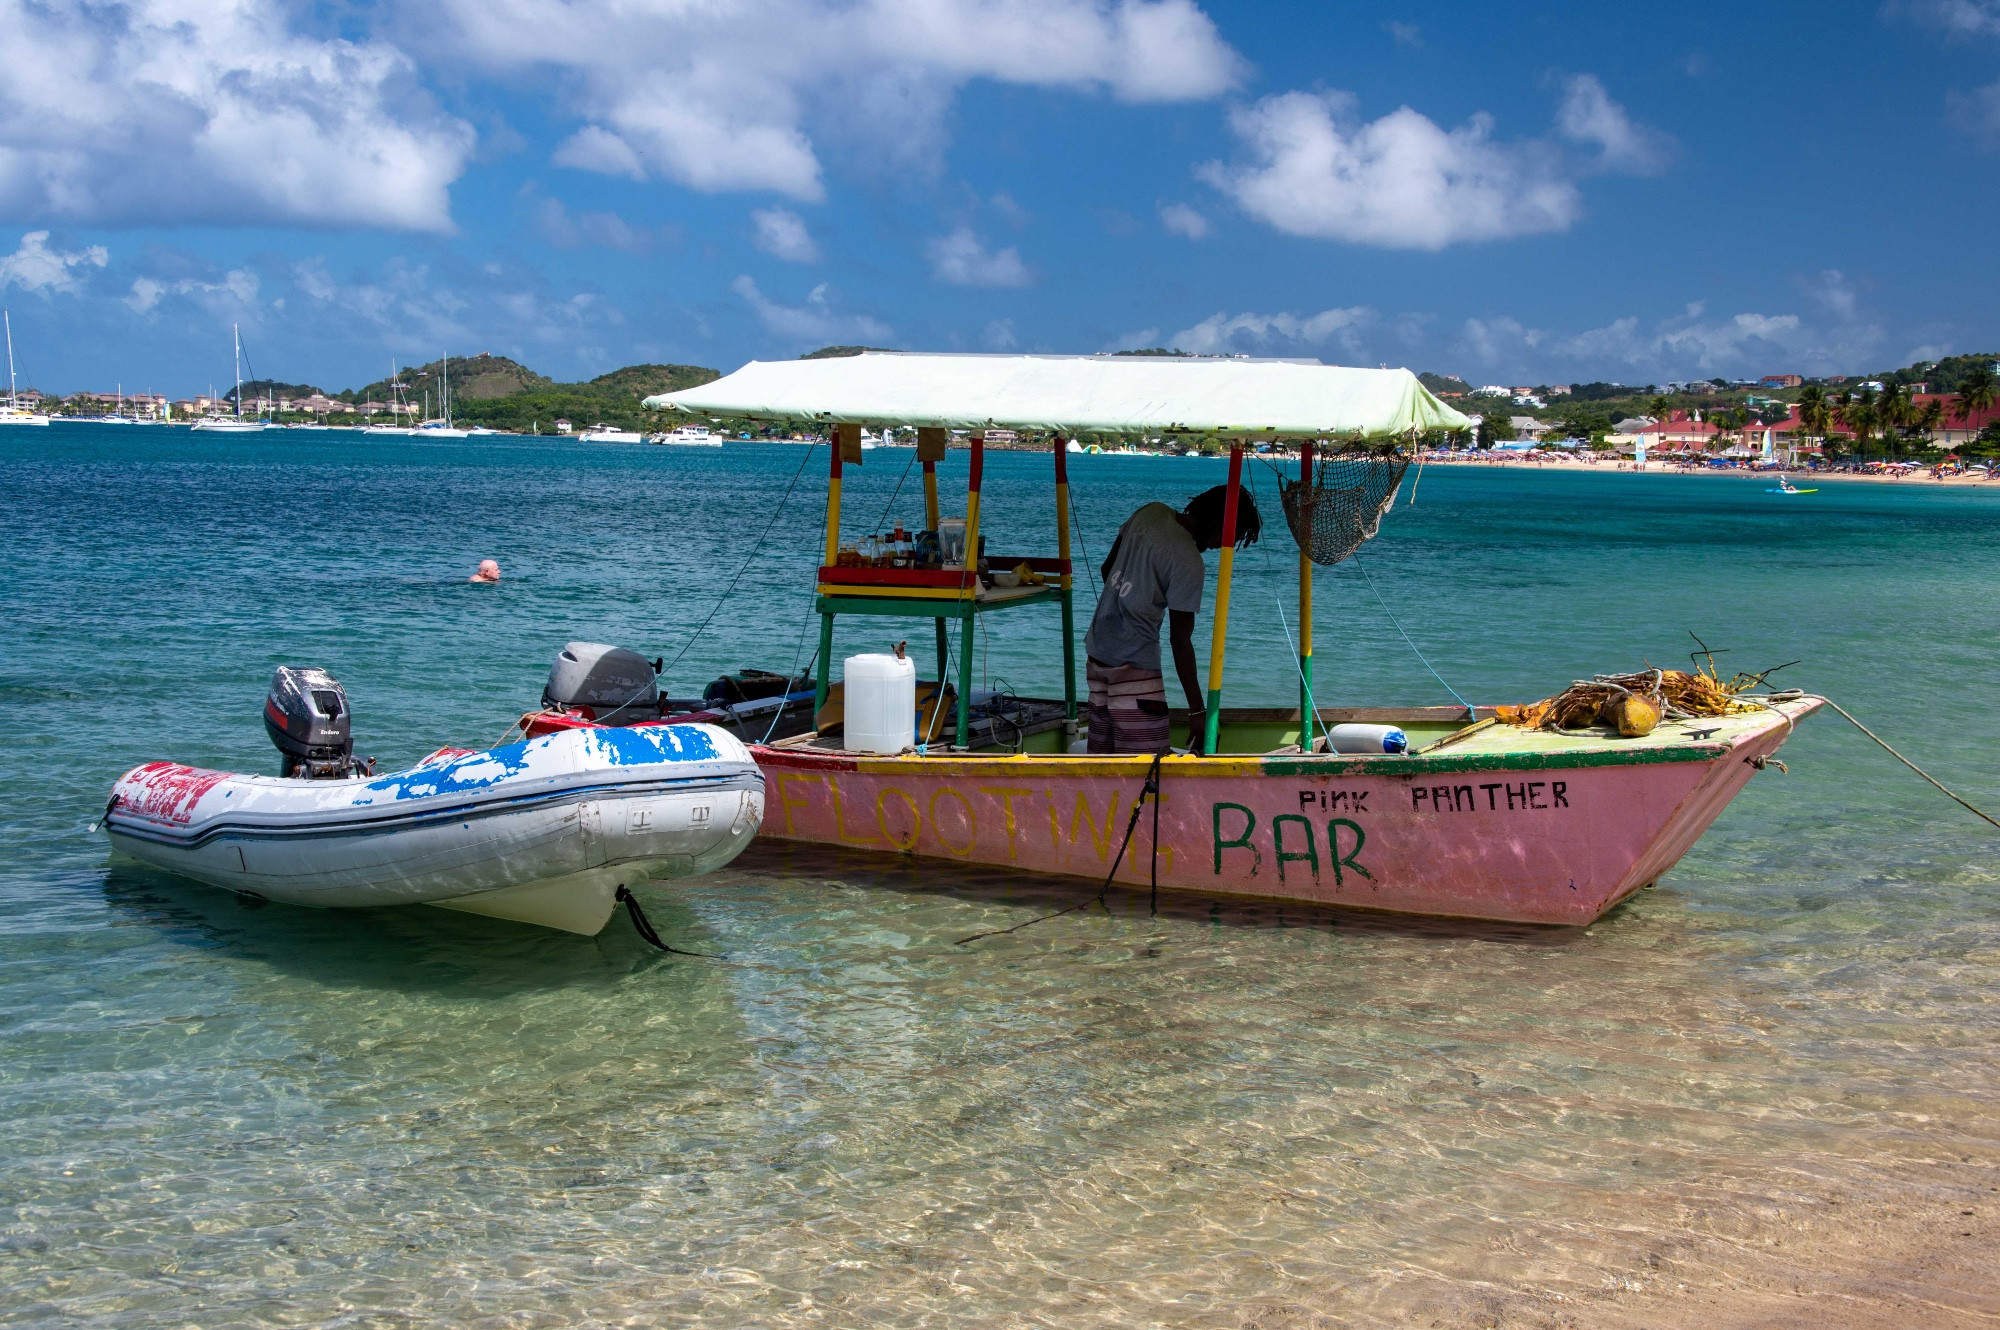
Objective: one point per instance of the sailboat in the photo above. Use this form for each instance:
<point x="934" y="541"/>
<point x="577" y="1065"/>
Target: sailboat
<point x="442" y="428"/>
<point x="14" y="413"/>
<point x="396" y="405"/>
<point x="217" y="423"/>
<point x="117" y="417"/>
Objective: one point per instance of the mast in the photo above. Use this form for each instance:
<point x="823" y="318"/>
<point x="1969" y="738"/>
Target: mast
<point x="444" y="392"/>
<point x="12" y="401"/>
<point x="236" y="330"/>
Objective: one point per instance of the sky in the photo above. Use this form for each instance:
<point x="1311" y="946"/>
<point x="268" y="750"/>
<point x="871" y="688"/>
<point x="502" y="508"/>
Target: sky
<point x="1517" y="194"/>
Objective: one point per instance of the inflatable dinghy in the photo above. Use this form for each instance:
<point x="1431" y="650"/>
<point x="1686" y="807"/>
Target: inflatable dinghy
<point x="545" y="832"/>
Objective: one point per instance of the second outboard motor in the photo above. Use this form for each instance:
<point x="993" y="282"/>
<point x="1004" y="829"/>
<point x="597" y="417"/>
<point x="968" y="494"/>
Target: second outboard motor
<point x="307" y="718"/>
<point x="616" y="684"/>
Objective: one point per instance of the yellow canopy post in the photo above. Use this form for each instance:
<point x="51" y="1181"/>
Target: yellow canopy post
<point x="1219" y="641"/>
<point x="1308" y="709"/>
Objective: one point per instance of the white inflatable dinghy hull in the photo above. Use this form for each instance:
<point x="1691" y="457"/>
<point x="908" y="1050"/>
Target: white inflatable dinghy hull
<point x="544" y="832"/>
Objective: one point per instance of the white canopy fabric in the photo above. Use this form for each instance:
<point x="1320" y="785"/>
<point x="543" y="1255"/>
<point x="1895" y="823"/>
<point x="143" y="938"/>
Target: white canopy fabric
<point x="1110" y="394"/>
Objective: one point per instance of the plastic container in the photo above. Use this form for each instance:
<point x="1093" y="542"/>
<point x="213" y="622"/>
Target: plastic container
<point x="1354" y="738"/>
<point x="951" y="541"/>
<point x="880" y="703"/>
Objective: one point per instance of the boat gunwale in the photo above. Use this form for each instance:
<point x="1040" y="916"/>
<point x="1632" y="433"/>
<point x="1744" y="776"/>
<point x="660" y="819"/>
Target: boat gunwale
<point x="1598" y="751"/>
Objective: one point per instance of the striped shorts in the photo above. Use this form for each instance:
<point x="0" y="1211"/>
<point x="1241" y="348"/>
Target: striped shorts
<point x="1128" y="709"/>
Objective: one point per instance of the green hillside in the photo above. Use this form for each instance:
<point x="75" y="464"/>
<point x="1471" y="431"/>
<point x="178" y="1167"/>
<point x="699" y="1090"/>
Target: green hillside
<point x="504" y="394"/>
<point x="641" y="381"/>
<point x="259" y="389"/>
<point x="473" y="379"/>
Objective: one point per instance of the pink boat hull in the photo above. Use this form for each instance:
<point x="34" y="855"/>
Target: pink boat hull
<point x="1540" y="834"/>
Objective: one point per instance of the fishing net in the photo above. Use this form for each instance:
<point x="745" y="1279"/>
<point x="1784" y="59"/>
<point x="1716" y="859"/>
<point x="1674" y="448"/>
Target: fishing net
<point x="1342" y="504"/>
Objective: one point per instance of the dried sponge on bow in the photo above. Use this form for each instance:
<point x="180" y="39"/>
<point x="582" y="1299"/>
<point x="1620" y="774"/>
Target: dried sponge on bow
<point x="1624" y="700"/>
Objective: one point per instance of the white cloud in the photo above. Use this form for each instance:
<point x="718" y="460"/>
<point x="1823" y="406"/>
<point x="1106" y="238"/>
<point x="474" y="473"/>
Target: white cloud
<point x="1404" y="182"/>
<point x="963" y="260"/>
<point x="1832" y="289"/>
<point x="731" y="96"/>
<point x="235" y="292"/>
<point x="1405" y="34"/>
<point x="156" y="112"/>
<point x="1968" y="18"/>
<point x="999" y="335"/>
<point x="1588" y="115"/>
<point x="1225" y="333"/>
<point x="1683" y="346"/>
<point x="1181" y="220"/>
<point x="816" y="321"/>
<point x="1400" y="182"/>
<point x="575" y="230"/>
<point x="36" y="267"/>
<point x="1978" y="111"/>
<point x="782" y="233"/>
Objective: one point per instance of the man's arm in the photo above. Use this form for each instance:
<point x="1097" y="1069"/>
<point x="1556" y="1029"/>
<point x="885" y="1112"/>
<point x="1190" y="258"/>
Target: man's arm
<point x="1180" y="635"/>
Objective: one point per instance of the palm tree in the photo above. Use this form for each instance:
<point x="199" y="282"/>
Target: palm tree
<point x="1892" y="411"/>
<point x="1725" y="424"/>
<point x="1813" y="412"/>
<point x="1857" y="412"/>
<point x="1926" y="419"/>
<point x="1977" y="389"/>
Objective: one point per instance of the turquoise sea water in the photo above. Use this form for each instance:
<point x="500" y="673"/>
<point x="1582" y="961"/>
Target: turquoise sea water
<point x="222" y="1116"/>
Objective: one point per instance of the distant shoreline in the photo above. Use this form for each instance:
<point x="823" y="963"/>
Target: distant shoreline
<point x="1799" y="475"/>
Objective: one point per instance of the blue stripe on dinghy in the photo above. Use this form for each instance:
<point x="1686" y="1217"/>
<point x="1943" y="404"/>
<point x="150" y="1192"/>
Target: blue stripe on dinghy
<point x="400" y="820"/>
<point x="616" y="747"/>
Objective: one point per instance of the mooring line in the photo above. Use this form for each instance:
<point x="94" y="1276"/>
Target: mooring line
<point x="1976" y="812"/>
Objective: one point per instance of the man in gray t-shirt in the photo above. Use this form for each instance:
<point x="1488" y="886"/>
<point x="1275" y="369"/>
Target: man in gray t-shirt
<point x="1154" y="569"/>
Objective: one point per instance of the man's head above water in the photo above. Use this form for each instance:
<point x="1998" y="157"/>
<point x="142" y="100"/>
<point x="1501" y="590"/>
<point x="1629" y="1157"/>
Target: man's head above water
<point x="1203" y="518"/>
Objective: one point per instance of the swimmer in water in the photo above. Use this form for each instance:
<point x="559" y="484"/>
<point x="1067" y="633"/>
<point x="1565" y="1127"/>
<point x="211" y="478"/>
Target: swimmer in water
<point x="489" y="572"/>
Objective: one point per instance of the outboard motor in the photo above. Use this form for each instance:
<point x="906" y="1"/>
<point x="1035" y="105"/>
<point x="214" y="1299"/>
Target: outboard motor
<point x="616" y="685"/>
<point x="307" y="718"/>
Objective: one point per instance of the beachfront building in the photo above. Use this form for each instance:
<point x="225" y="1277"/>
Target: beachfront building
<point x="1527" y="429"/>
<point x="1953" y="429"/>
<point x="1781" y="381"/>
<point x="1678" y="435"/>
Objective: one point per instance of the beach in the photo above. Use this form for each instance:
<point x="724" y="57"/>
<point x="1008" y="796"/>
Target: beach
<point x="1760" y="1093"/>
<point x="1921" y="476"/>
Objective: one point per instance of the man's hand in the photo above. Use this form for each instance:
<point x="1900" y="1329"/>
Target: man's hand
<point x="1198" y="732"/>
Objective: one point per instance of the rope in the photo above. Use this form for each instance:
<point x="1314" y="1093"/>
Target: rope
<point x="747" y="560"/>
<point x="1152" y="787"/>
<point x="1469" y="708"/>
<point x="1906" y="762"/>
<point x="882" y="521"/>
<point x="645" y="926"/>
<point x="1306" y="721"/>
<point x="1076" y="529"/>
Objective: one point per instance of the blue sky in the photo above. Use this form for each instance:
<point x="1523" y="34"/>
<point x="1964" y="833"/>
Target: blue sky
<point x="1537" y="193"/>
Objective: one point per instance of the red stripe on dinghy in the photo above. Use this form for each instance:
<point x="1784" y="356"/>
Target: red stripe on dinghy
<point x="165" y="790"/>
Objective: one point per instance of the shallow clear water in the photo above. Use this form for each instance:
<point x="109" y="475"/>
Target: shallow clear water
<point x="227" y="1116"/>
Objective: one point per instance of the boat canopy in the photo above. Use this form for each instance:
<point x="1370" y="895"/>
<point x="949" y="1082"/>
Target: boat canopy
<point x="1234" y="398"/>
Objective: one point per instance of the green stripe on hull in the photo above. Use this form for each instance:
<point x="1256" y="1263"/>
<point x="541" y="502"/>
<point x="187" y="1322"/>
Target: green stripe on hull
<point x="1339" y="764"/>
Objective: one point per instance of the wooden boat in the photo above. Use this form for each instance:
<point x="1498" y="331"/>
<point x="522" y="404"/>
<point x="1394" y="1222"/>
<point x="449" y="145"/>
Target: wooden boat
<point x="1479" y="819"/>
<point x="1487" y="821"/>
